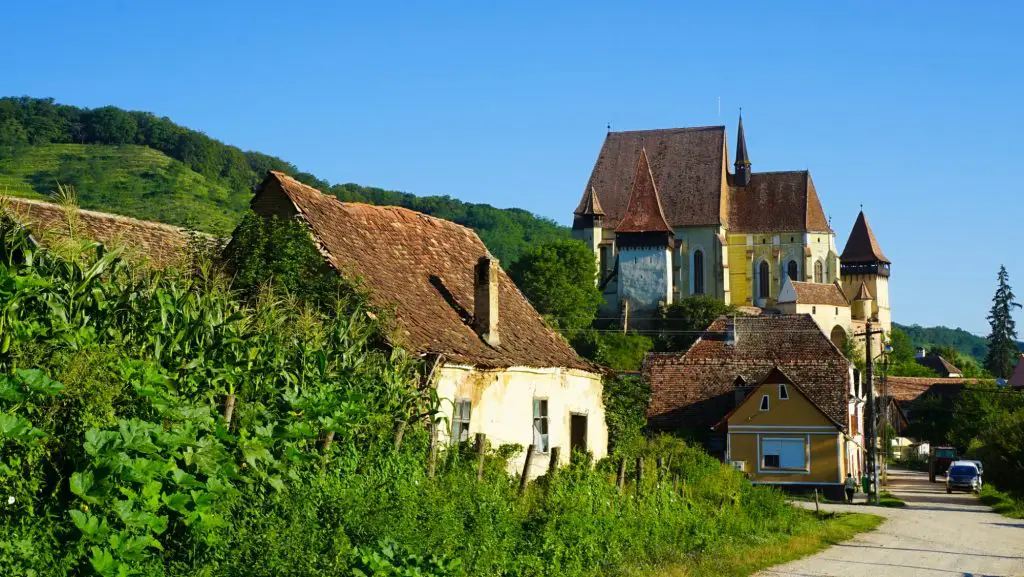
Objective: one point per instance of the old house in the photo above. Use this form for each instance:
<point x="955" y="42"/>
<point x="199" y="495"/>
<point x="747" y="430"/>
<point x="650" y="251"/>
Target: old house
<point x="499" y="369"/>
<point x="784" y="374"/>
<point x="938" y="363"/>
<point x="153" y="243"/>
<point x="1016" y="380"/>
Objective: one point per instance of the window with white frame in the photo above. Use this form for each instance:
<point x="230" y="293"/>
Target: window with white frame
<point x="460" y="420"/>
<point x="783" y="392"/>
<point x="764" y="403"/>
<point x="540" y="425"/>
<point x="784" y="454"/>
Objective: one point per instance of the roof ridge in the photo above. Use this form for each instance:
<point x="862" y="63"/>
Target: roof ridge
<point x="676" y="129"/>
<point x="98" y="214"/>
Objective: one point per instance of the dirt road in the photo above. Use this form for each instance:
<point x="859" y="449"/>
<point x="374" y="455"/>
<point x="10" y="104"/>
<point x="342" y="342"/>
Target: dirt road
<point x="935" y="535"/>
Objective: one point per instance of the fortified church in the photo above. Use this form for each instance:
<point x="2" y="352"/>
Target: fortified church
<point x="667" y="219"/>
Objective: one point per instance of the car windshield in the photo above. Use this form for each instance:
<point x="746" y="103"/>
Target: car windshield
<point x="962" y="470"/>
<point x="947" y="453"/>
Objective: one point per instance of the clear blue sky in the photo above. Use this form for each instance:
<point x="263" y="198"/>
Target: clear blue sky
<point x="912" y="108"/>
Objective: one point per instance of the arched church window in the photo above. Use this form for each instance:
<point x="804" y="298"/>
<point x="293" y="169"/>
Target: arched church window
<point x="791" y="271"/>
<point x="763" y="280"/>
<point x="819" y="272"/>
<point x="698" y="272"/>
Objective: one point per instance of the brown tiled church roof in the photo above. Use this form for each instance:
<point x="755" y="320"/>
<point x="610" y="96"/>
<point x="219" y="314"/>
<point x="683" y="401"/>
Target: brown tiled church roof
<point x="862" y="247"/>
<point x="590" y="206"/>
<point x="695" y="389"/>
<point x="777" y="202"/>
<point x="155" y="243"/>
<point x="643" y="211"/>
<point x="863" y="294"/>
<point x="811" y="293"/>
<point x="687" y="165"/>
<point x="423" y="267"/>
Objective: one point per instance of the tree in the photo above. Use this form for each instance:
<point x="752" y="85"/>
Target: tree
<point x="1002" y="341"/>
<point x="559" y="280"/>
<point x="684" y="321"/>
<point x="902" y="348"/>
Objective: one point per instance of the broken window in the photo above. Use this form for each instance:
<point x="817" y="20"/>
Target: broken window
<point x="460" y="420"/>
<point x="540" y="425"/>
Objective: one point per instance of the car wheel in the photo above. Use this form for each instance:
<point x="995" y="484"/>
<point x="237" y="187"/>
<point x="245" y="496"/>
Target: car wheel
<point x="948" y="490"/>
<point x="931" y="478"/>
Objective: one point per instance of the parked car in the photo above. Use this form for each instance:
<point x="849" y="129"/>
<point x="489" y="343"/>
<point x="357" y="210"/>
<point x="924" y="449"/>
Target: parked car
<point x="963" y="475"/>
<point x="981" y="469"/>
<point x="939" y="461"/>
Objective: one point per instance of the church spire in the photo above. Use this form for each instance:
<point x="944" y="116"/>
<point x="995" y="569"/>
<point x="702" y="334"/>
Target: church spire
<point x="643" y="209"/>
<point x="742" y="159"/>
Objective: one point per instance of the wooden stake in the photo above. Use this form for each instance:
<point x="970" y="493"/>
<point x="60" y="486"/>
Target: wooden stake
<point x="229" y="409"/>
<point x="325" y="442"/>
<point x="481" y="444"/>
<point x="620" y="480"/>
<point x="817" y="510"/>
<point x="659" y="464"/>
<point x="639" y="474"/>
<point x="432" y="451"/>
<point x="399" y="433"/>
<point x="525" y="479"/>
<point x="553" y="463"/>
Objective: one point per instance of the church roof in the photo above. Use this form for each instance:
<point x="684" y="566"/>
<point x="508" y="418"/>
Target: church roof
<point x="643" y="211"/>
<point x="742" y="158"/>
<point x="777" y="202"/>
<point x="422" y="268"/>
<point x="590" y="205"/>
<point x="812" y="293"/>
<point x="687" y="165"/>
<point x="863" y="294"/>
<point x="694" y="389"/>
<point x="862" y="247"/>
<point x="154" y="243"/>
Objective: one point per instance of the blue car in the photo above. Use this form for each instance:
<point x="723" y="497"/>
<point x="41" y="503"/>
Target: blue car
<point x="963" y="476"/>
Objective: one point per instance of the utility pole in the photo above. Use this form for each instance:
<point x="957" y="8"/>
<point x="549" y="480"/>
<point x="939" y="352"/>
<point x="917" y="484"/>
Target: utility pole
<point x="872" y="419"/>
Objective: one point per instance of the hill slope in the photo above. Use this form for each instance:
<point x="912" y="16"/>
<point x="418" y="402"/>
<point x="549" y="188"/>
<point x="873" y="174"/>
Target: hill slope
<point x="141" y="165"/>
<point x="967" y="343"/>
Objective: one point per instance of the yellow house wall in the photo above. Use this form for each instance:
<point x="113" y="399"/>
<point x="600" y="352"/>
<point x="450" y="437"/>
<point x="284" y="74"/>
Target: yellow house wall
<point x="795" y="417"/>
<point x="502" y="407"/>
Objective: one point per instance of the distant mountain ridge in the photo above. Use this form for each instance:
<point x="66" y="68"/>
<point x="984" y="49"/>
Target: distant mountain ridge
<point x="141" y="165"/>
<point x="967" y="343"/>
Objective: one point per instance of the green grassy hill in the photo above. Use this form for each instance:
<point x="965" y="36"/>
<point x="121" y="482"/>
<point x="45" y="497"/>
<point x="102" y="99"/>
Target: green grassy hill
<point x="142" y="165"/>
<point x="130" y="179"/>
<point x="967" y="343"/>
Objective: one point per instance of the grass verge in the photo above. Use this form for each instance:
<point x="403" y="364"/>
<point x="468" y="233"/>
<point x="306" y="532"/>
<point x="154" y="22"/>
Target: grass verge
<point x="887" y="499"/>
<point x="742" y="559"/>
<point x="1003" y="503"/>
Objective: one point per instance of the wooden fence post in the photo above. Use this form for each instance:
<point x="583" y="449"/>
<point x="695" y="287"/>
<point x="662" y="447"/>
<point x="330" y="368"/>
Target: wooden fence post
<point x="229" y="409"/>
<point x="526" y="470"/>
<point x="325" y="443"/>
<point x="639" y="474"/>
<point x="659" y="462"/>
<point x="817" y="511"/>
<point x="432" y="451"/>
<point x="399" y="433"/>
<point x="481" y="447"/>
<point x="553" y="463"/>
<point x="675" y="482"/>
<point x="620" y="480"/>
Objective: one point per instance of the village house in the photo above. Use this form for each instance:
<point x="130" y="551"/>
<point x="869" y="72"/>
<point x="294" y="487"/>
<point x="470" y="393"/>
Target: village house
<point x="1016" y="380"/>
<point x="937" y="363"/>
<point x="499" y="369"/>
<point x="151" y="243"/>
<point x="770" y="394"/>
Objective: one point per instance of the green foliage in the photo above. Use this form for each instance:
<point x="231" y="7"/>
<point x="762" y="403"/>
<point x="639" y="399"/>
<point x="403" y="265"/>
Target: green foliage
<point x="968" y="344"/>
<point x="988" y="424"/>
<point x="559" y="280"/>
<point x="1002" y="340"/>
<point x="684" y="321"/>
<point x="141" y="165"/>
<point x="612" y="349"/>
<point x="625" y="411"/>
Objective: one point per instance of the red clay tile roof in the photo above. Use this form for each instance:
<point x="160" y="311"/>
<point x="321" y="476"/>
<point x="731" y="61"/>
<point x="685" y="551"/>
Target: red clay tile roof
<point x="687" y="165"/>
<point x="423" y="267"/>
<point x="643" y="211"/>
<point x="776" y="202"/>
<point x="862" y="247"/>
<point x="155" y="243"/>
<point x="590" y="205"/>
<point x="909" y="389"/>
<point x="812" y="293"/>
<point x="863" y="294"/>
<point x="694" y="390"/>
<point x="940" y="365"/>
<point x="1017" y="378"/>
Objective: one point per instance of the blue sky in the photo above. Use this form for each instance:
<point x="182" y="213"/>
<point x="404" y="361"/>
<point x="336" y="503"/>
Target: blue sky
<point x="912" y="108"/>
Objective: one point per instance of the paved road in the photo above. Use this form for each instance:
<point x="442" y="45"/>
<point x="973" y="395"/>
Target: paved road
<point x="935" y="535"/>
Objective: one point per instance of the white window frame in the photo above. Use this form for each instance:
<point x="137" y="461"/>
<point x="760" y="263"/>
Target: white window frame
<point x="541" y="425"/>
<point x="783" y="392"/>
<point x="766" y="403"/>
<point x="804" y="467"/>
<point x="460" y="422"/>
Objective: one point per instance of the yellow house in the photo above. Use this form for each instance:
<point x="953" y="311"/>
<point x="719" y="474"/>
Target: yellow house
<point x="779" y="435"/>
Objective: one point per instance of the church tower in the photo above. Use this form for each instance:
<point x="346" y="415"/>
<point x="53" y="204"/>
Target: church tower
<point x="586" y="226"/>
<point x="865" y="272"/>
<point x="644" y="241"/>
<point x="742" y="164"/>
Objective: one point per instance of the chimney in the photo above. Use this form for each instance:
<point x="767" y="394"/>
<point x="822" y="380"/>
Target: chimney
<point x="485" y="300"/>
<point x="730" y="331"/>
<point x="921" y="353"/>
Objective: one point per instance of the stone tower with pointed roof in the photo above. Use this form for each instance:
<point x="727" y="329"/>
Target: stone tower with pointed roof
<point x="735" y="235"/>
<point x="865" y="273"/>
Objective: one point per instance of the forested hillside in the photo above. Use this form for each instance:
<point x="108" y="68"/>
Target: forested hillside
<point x="963" y="341"/>
<point x="145" y="166"/>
